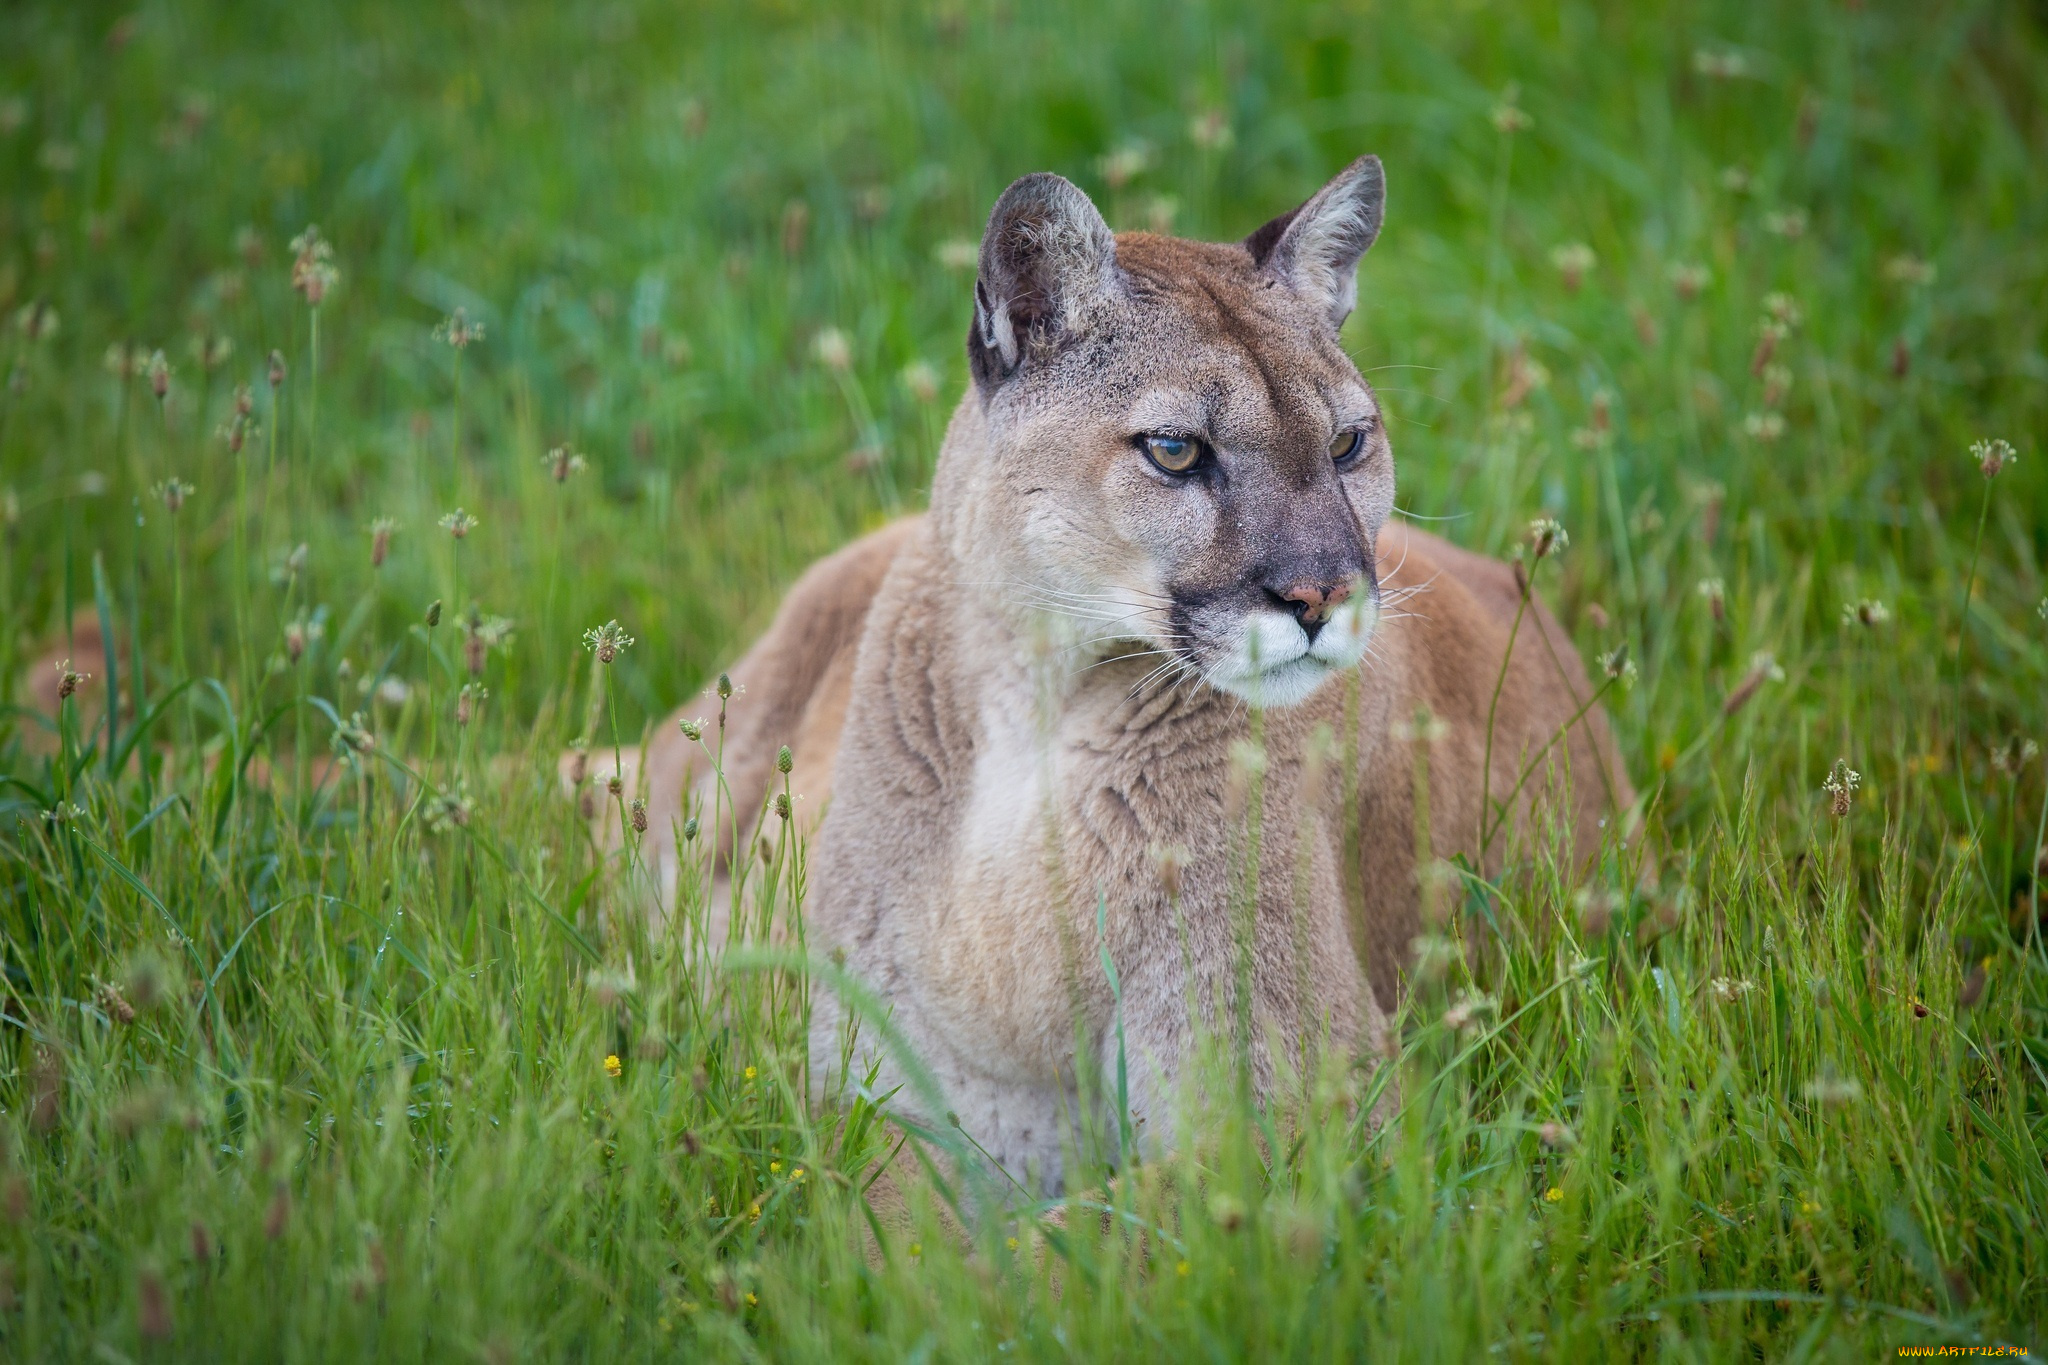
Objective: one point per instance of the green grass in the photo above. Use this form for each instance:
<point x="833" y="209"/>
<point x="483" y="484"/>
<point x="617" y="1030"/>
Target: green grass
<point x="361" y="1108"/>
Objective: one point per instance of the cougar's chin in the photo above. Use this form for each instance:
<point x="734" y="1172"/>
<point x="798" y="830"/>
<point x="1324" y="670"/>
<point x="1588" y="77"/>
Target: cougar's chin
<point x="1273" y="662"/>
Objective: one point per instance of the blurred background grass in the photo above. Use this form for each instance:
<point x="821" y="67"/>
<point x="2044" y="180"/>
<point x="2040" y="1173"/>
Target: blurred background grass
<point x="662" y="216"/>
<point x="655" y="211"/>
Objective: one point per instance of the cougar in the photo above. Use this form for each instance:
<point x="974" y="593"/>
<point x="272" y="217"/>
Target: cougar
<point x="1145" y="636"/>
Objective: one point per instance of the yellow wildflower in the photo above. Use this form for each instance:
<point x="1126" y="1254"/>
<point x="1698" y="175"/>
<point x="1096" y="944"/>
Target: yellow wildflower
<point x="774" y="1168"/>
<point x="751" y="1300"/>
<point x="1183" y="1269"/>
<point x="612" y="1065"/>
<point x="1553" y="1195"/>
<point x="750" y="1073"/>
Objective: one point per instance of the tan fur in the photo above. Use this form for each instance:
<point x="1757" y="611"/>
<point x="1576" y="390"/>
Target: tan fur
<point x="975" y="690"/>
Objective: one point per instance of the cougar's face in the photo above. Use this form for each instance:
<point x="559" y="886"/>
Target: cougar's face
<point x="1198" y="470"/>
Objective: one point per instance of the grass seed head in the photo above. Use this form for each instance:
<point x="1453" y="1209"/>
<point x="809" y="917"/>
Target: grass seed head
<point x="1719" y="66"/>
<point x="1787" y="223"/>
<point x="433" y="616"/>
<point x="458" y="331"/>
<point x="639" y="811"/>
<point x="68" y="679"/>
<point x="1841" y="784"/>
<point x="1992" y="456"/>
<point x="449" y="811"/>
<point x="313" y="270"/>
<point x="158" y="370"/>
<point x="1909" y="270"/>
<point x="1777" y="383"/>
<point x="609" y="641"/>
<point x="37" y="321"/>
<point x="353" y="735"/>
<point x="458" y="524"/>
<point x="201" y="1240"/>
<point x="211" y="350"/>
<point x="1690" y="280"/>
<point x="1716" y="594"/>
<point x="1210" y="130"/>
<point x="922" y="381"/>
<point x="1763" y="668"/>
<point x="1572" y="261"/>
<point x="2014" y="754"/>
<point x="1463" y="1015"/>
<point x="561" y="462"/>
<point x="1508" y="118"/>
<point x="784" y="761"/>
<point x="1547" y="537"/>
<point x="112" y="1003"/>
<point x="275" y="371"/>
<point x="174" y="493"/>
<point x="380" y="540"/>
<point x="833" y="350"/>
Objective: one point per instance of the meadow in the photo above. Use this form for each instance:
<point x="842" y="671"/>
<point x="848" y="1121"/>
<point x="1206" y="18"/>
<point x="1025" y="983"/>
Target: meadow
<point x="329" y="1030"/>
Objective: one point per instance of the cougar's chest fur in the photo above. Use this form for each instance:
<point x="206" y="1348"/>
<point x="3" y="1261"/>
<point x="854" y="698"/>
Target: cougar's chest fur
<point x="1000" y="822"/>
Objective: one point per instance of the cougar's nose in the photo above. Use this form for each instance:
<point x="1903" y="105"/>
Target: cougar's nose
<point x="1312" y="602"/>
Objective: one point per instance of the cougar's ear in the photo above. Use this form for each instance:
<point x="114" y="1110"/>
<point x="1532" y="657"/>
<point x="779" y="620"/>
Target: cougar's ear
<point x="1046" y="258"/>
<point x="1315" y="249"/>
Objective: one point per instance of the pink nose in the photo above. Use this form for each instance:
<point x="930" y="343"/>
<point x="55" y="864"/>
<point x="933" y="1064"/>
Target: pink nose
<point x="1313" y="602"/>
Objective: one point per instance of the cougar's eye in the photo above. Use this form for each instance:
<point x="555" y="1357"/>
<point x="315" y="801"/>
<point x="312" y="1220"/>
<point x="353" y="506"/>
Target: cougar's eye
<point x="1345" y="445"/>
<point x="1174" y="454"/>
